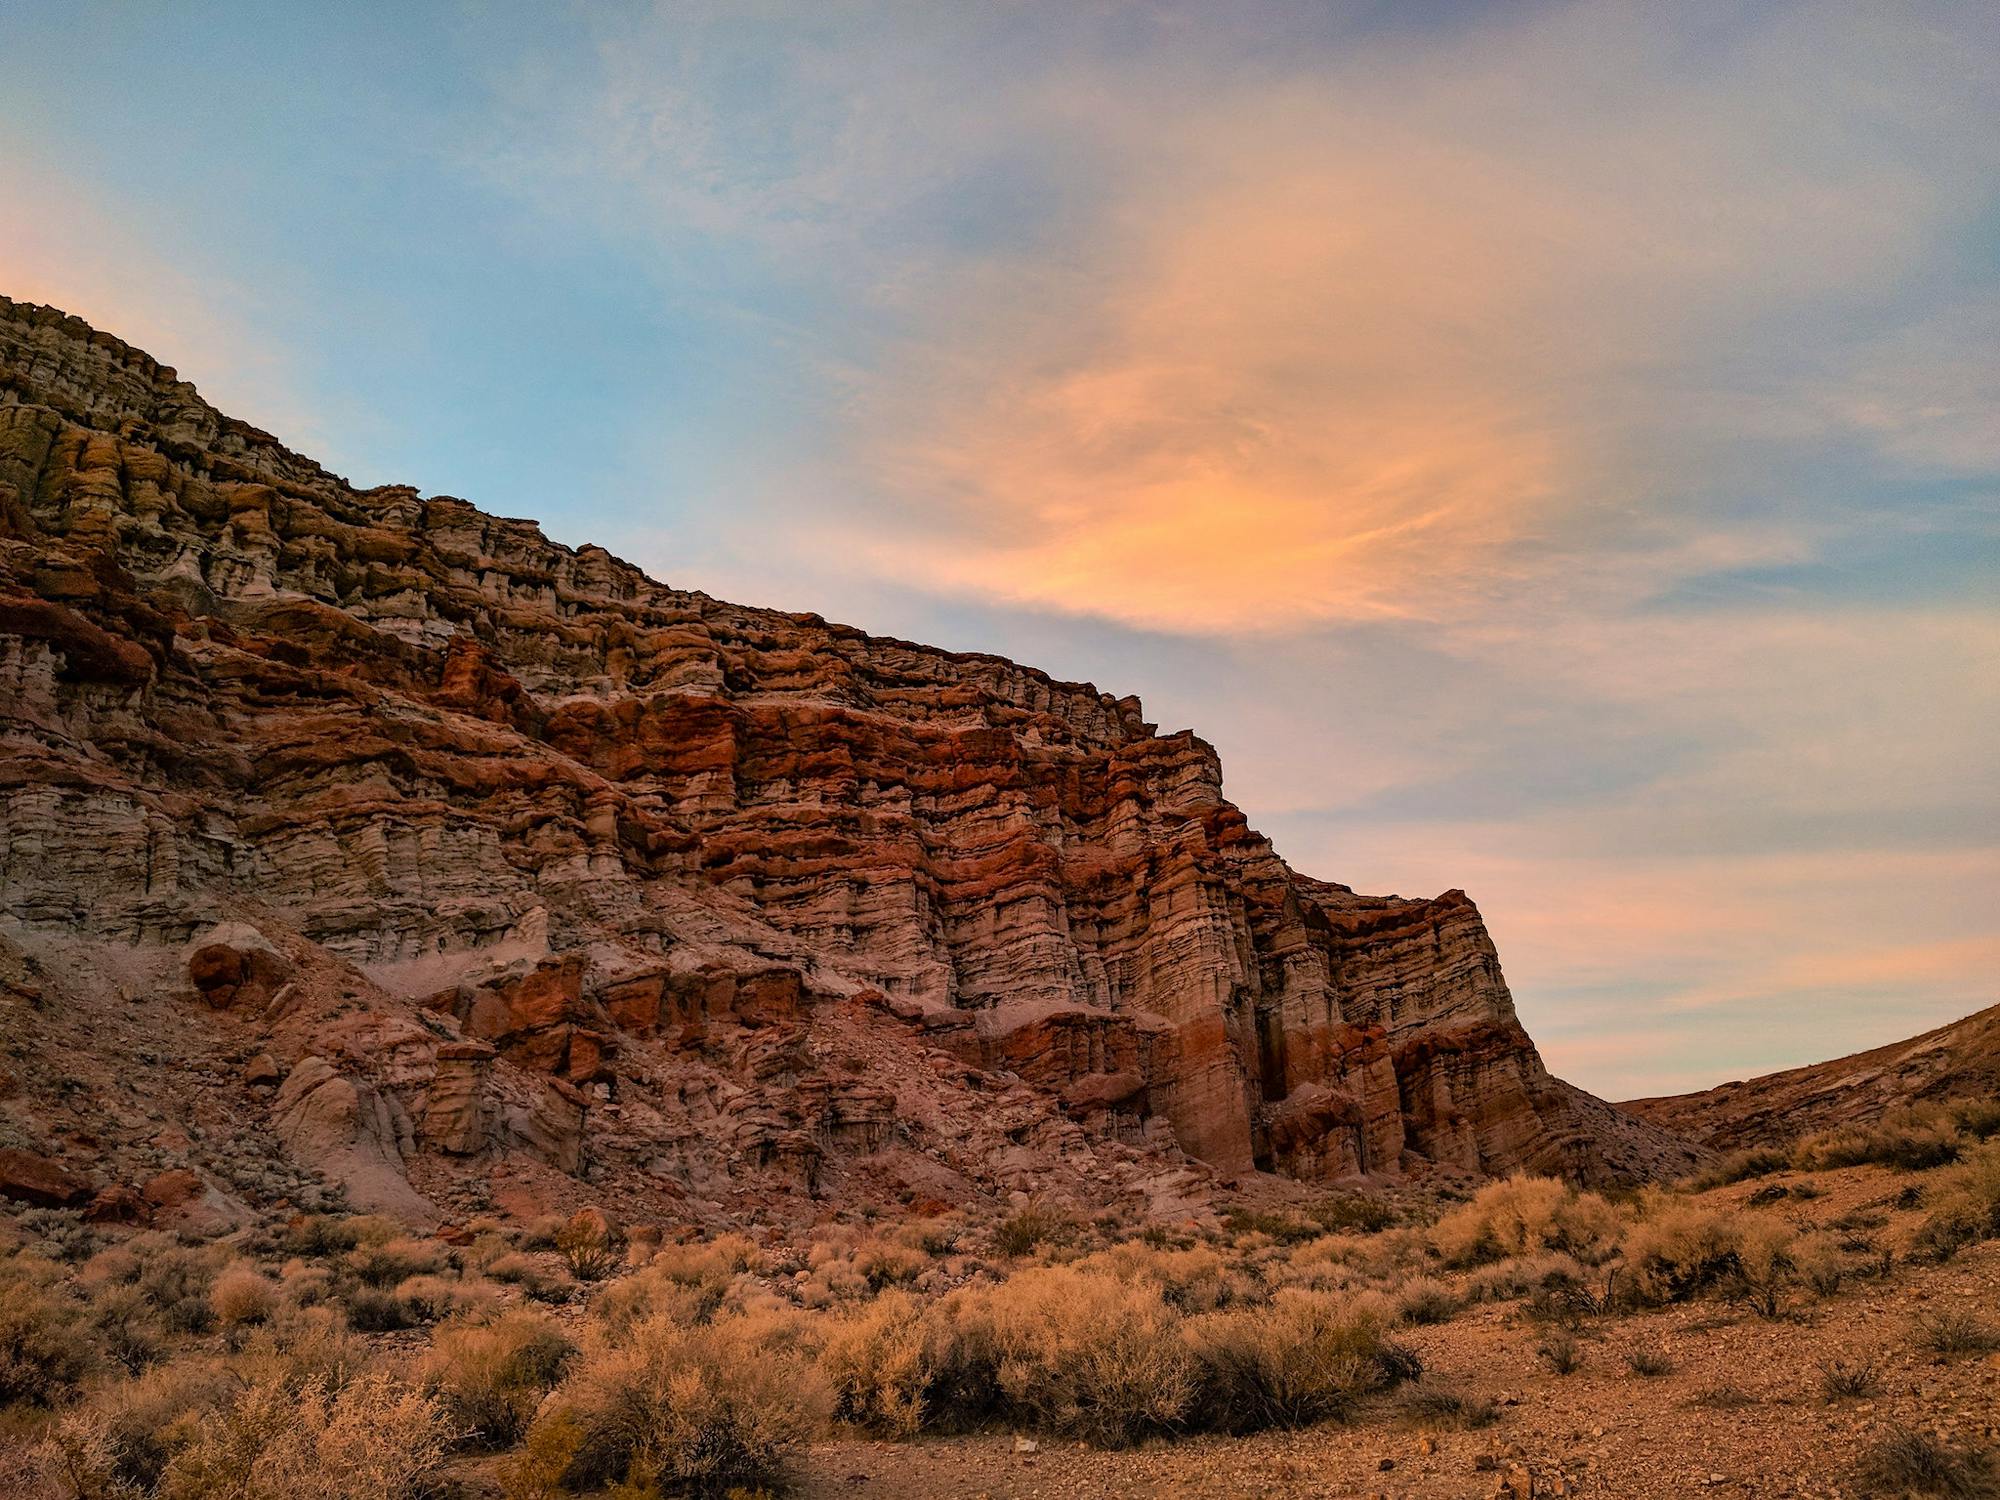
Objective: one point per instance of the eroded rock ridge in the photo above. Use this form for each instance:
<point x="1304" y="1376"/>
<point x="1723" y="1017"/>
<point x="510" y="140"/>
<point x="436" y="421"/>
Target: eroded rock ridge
<point x="499" y="851"/>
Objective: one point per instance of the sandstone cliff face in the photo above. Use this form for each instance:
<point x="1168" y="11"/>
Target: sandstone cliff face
<point x="617" y="870"/>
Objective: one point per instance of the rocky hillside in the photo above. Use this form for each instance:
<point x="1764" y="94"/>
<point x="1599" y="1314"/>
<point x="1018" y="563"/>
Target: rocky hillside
<point x="464" y="865"/>
<point x="1959" y="1061"/>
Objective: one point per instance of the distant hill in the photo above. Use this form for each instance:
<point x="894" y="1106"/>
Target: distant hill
<point x="1958" y="1061"/>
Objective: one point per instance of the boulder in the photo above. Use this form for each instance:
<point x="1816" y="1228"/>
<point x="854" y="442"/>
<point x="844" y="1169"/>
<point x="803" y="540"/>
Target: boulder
<point x="28" y="1177"/>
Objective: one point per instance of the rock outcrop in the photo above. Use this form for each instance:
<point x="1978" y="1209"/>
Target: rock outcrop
<point x="625" y="876"/>
<point x="1957" y="1061"/>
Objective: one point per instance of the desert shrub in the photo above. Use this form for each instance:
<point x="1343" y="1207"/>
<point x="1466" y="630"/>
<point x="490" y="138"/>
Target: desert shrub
<point x="386" y="1262"/>
<point x="301" y="1347"/>
<point x="1523" y="1275"/>
<point x="305" y="1284"/>
<point x="374" y="1440"/>
<point x="1740" y="1166"/>
<point x="1439" y="1408"/>
<point x="1306" y="1358"/>
<point x="1911" y="1140"/>
<point x="434" y="1297"/>
<point x="126" y="1327"/>
<point x="934" y="1237"/>
<point x="119" y="1442"/>
<point x="372" y="1310"/>
<point x="1905" y="1462"/>
<point x="1963" y="1204"/>
<point x="323" y="1235"/>
<point x="1847" y="1380"/>
<point x="1352" y="1213"/>
<point x="703" y="1408"/>
<point x="517" y="1269"/>
<point x="176" y="1283"/>
<point x="1280" y="1228"/>
<point x="1649" y="1364"/>
<point x="884" y="1263"/>
<point x="1560" y="1351"/>
<point x="586" y="1249"/>
<point x="1029" y="1227"/>
<point x="1764" y="1266"/>
<point x="490" y="1378"/>
<point x="689" y="1282"/>
<point x="44" y="1353"/>
<point x="879" y="1365"/>
<point x="1948" y="1332"/>
<point x="1978" y="1118"/>
<point x="1679" y="1249"/>
<point x="1192" y="1280"/>
<point x="1522" y="1215"/>
<point x="1425" y="1300"/>
<point x="1062" y="1350"/>
<point x="117" y="1266"/>
<point x="540" y="1232"/>
<point x="242" y="1294"/>
<point x="844" y="1267"/>
<point x="1820" y="1262"/>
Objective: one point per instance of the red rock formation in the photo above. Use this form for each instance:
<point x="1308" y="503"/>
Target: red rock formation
<point x="638" y="842"/>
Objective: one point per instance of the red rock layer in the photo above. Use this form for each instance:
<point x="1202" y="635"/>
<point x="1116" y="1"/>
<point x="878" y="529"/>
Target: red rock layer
<point x="580" y="818"/>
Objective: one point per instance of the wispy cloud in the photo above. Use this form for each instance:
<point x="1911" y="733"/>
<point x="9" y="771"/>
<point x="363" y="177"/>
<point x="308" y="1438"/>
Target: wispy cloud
<point x="1550" y="449"/>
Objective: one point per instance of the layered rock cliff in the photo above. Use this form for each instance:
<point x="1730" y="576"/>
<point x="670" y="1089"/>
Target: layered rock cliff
<point x="504" y="850"/>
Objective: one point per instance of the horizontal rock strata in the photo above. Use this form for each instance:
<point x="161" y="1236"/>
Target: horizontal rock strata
<point x="628" y="866"/>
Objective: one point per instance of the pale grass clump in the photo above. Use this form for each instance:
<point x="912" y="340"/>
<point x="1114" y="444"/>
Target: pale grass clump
<point x="1192" y="1280"/>
<point x="384" y="1263"/>
<point x="691" y="1282"/>
<point x="44" y="1353"/>
<point x="490" y="1377"/>
<point x="1523" y="1215"/>
<point x="304" y="1283"/>
<point x="1524" y="1275"/>
<point x="301" y="1347"/>
<point x="702" y="1408"/>
<point x="1912" y="1140"/>
<point x="1425" y="1299"/>
<point x="1304" y="1359"/>
<point x="844" y="1266"/>
<point x="434" y="1297"/>
<point x="121" y="1441"/>
<point x="242" y="1295"/>
<point x="1066" y="1351"/>
<point x="1963" y="1204"/>
<point x="879" y="1365"/>
<point x="1681" y="1248"/>
<point x="373" y="1440"/>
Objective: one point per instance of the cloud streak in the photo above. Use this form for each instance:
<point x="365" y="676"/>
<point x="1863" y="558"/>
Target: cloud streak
<point x="1551" y="449"/>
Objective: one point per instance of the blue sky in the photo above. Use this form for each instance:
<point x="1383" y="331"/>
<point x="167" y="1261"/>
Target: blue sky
<point x="1550" y="449"/>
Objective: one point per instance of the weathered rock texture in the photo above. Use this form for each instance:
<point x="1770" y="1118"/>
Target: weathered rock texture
<point x="612" y="872"/>
<point x="1958" y="1061"/>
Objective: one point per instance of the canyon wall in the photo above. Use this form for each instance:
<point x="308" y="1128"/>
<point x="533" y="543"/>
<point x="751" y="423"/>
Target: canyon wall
<point x="545" y="857"/>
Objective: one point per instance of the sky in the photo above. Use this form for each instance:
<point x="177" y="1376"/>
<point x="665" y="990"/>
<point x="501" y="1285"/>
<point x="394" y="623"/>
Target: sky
<point x="1550" y="449"/>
